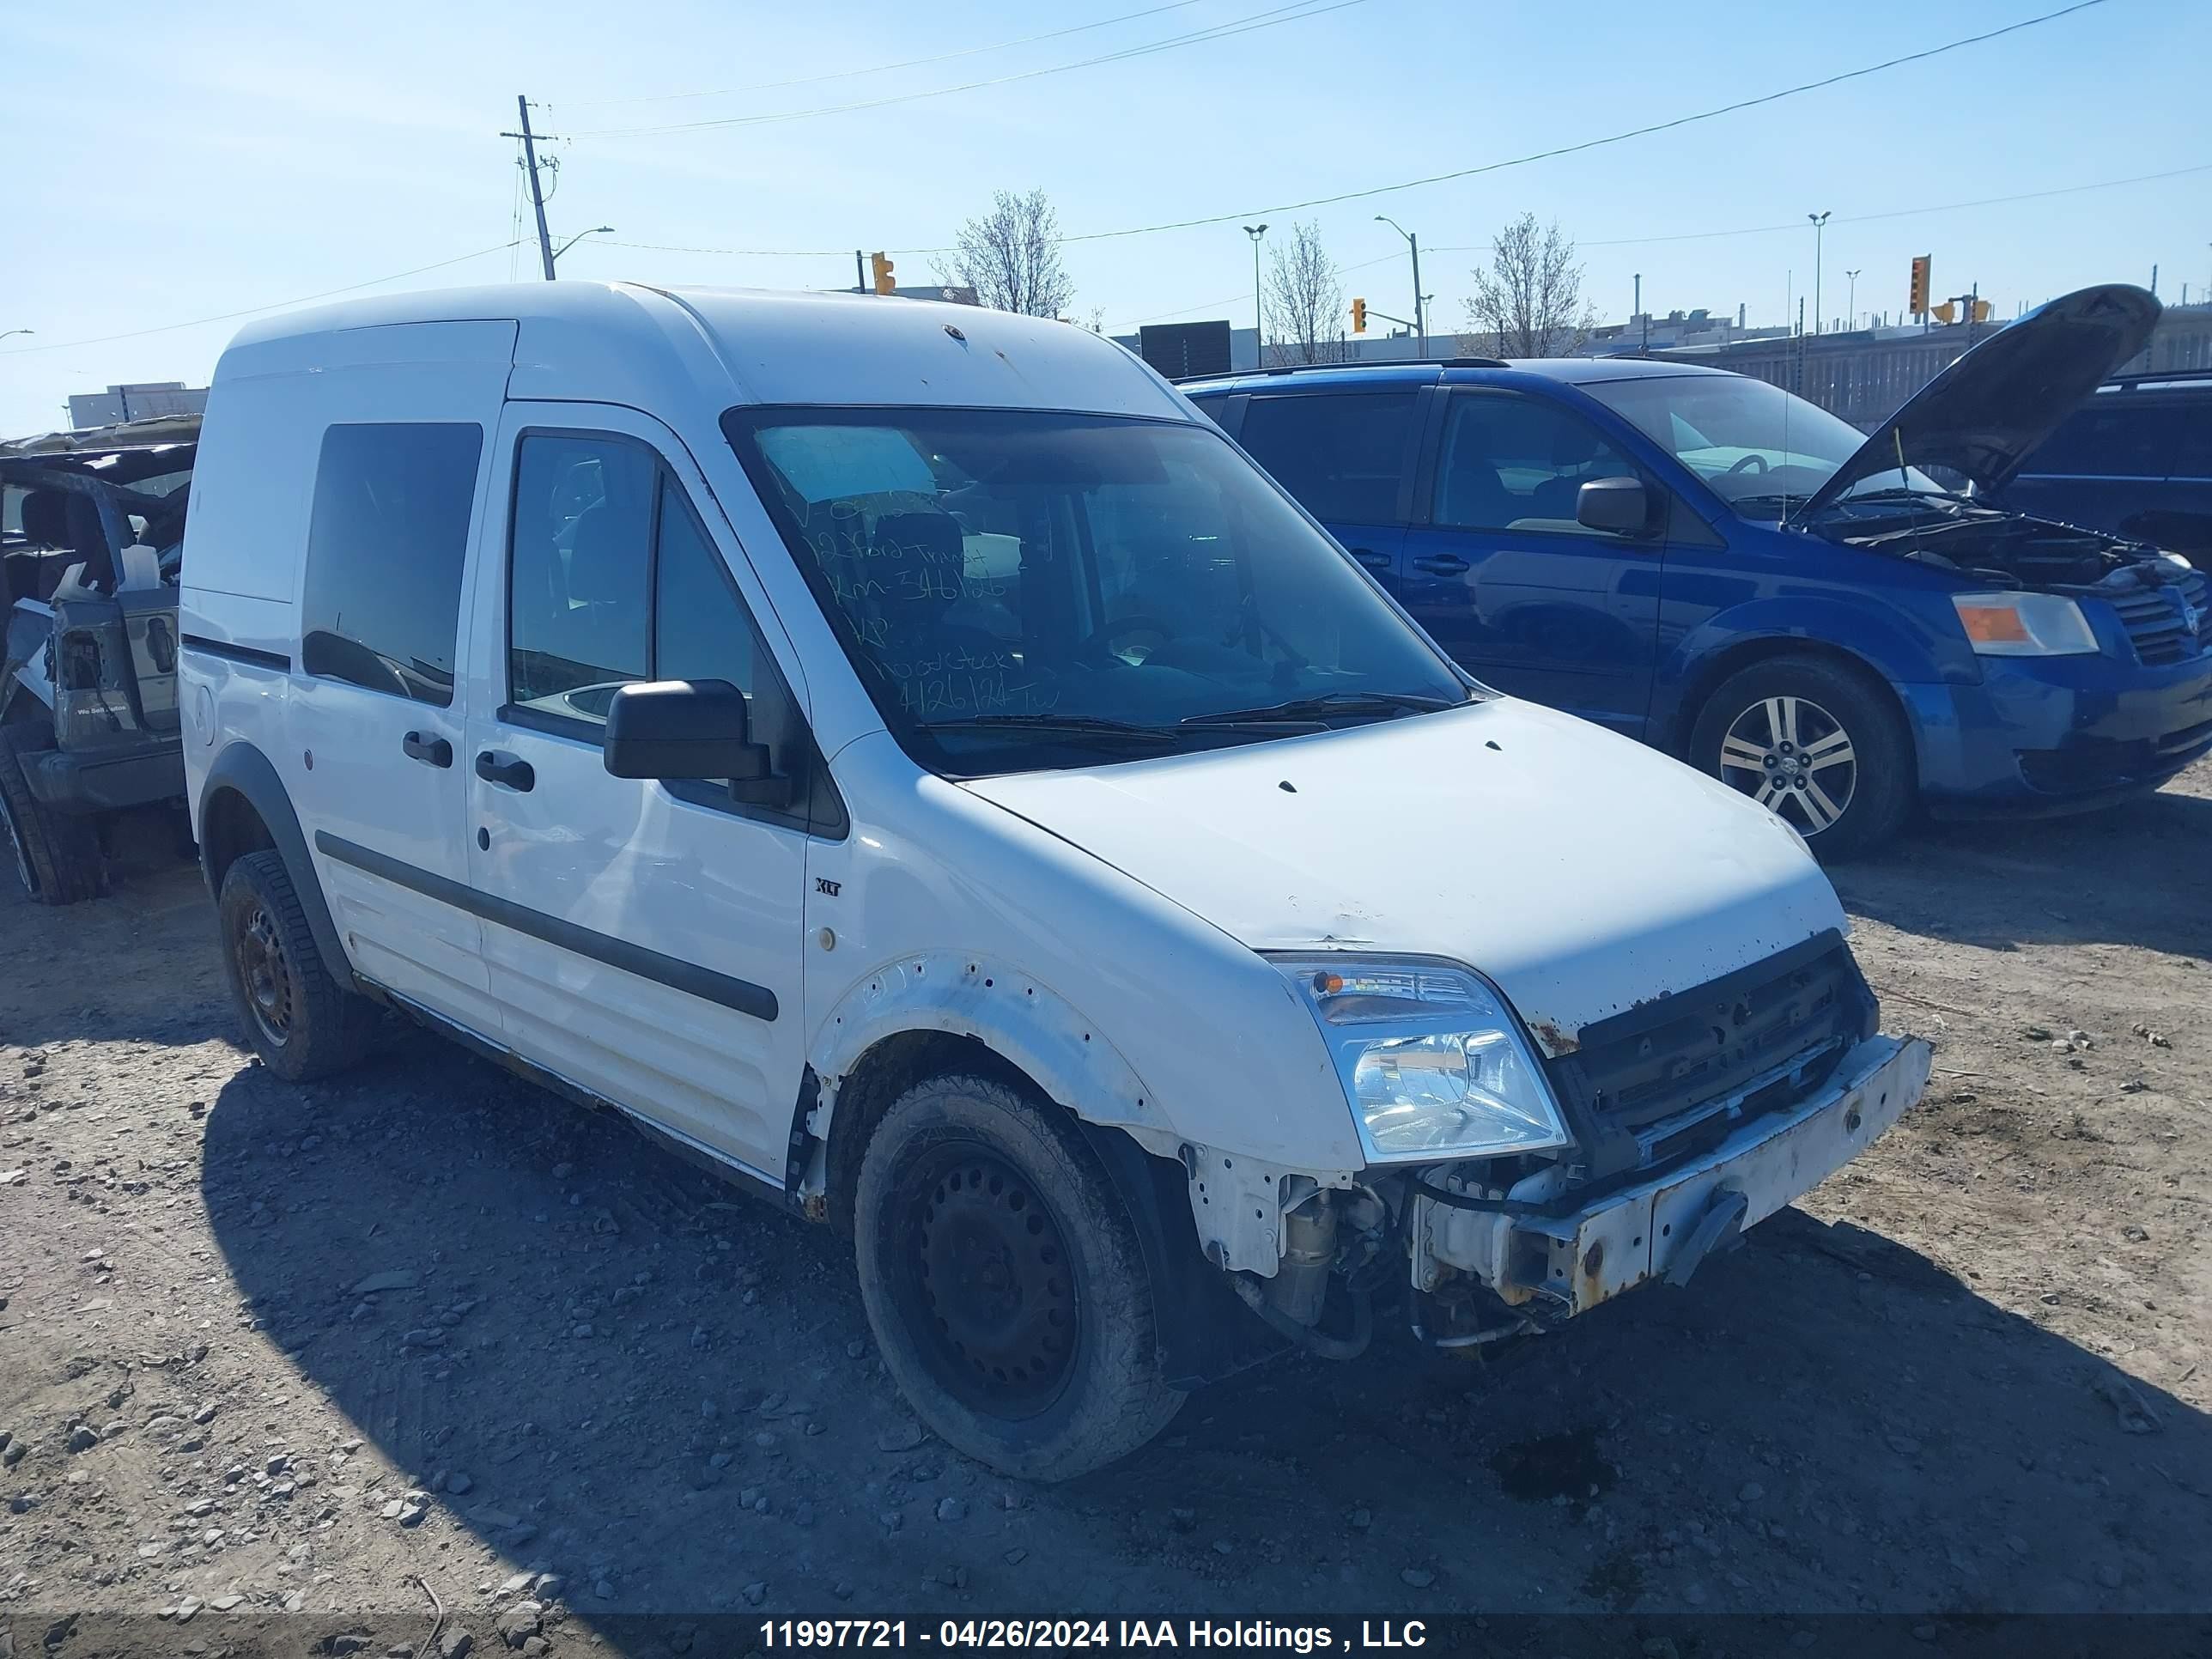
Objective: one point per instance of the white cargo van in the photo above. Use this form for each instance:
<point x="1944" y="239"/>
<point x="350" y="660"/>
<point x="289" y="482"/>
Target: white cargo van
<point x="905" y="755"/>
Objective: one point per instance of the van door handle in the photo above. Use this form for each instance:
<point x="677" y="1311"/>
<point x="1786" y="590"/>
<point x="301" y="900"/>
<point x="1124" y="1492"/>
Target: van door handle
<point x="1441" y="564"/>
<point x="495" y="768"/>
<point x="1371" y="559"/>
<point x="431" y="752"/>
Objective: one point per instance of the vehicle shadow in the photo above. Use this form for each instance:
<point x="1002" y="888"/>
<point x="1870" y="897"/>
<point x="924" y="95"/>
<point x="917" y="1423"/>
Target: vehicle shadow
<point x="664" y="1392"/>
<point x="2004" y="884"/>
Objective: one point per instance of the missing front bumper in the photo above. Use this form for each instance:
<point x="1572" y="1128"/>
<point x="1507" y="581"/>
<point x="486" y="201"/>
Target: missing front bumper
<point x="1666" y="1227"/>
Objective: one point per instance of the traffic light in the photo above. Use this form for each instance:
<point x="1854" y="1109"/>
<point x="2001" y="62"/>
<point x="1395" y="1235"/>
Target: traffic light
<point x="1360" y="316"/>
<point x="1981" y="311"/>
<point x="1946" y="313"/>
<point x="881" y="268"/>
<point x="1917" y="305"/>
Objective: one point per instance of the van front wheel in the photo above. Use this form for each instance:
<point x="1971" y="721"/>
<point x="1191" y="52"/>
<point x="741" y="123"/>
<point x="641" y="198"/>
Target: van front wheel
<point x="1816" y="745"/>
<point x="1002" y="1280"/>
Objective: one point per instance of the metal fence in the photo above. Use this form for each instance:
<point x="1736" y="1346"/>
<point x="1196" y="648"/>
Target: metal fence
<point x="1863" y="377"/>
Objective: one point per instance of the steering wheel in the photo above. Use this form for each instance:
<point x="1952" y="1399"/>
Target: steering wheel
<point x="1747" y="461"/>
<point x="1109" y="632"/>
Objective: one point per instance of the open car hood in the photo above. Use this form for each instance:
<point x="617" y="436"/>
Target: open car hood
<point x="1982" y="416"/>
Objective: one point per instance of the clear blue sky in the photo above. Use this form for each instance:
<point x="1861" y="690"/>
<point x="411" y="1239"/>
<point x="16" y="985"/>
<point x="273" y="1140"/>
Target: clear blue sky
<point x="173" y="162"/>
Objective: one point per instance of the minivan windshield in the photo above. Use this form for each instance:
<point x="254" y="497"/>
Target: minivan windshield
<point x="1762" y="450"/>
<point x="1022" y="588"/>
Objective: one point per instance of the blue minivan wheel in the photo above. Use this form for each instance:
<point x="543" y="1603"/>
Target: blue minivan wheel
<point x="1815" y="742"/>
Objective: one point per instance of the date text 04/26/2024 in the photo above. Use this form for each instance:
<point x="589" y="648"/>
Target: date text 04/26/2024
<point x="1098" y="1635"/>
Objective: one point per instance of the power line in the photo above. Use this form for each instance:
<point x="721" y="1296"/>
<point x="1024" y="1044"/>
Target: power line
<point x="880" y="68"/>
<point x="1295" y="12"/>
<point x="1763" y="230"/>
<point x="1478" y="248"/>
<point x="1600" y="143"/>
<point x="1471" y="172"/>
<point x="274" y="304"/>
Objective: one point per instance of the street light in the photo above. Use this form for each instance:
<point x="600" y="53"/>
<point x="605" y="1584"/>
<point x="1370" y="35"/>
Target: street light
<point x="596" y="230"/>
<point x="4" y="333"/>
<point x="1853" y="302"/>
<point x="1420" y="319"/>
<point x="1819" y="223"/>
<point x="1259" y="322"/>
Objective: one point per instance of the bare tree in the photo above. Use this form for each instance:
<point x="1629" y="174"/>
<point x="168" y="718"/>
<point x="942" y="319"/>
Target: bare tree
<point x="1304" y="300"/>
<point x="1011" y="257"/>
<point x="1529" y="303"/>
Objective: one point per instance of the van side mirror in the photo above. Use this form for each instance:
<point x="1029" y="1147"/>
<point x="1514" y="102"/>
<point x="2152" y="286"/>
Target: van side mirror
<point x="1619" y="506"/>
<point x="672" y="729"/>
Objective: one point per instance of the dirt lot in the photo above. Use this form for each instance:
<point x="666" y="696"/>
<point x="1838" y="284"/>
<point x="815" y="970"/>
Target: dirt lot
<point x="1969" y="1376"/>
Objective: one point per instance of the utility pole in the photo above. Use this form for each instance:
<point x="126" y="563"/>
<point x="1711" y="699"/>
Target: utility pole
<point x="1259" y="316"/>
<point x="1852" y="321"/>
<point x="1420" y="311"/>
<point x="1646" y="321"/>
<point x="537" y="197"/>
<point x="1820" y="228"/>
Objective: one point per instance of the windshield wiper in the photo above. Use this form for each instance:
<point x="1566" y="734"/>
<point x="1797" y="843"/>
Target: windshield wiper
<point x="1061" y="726"/>
<point x="1780" y="498"/>
<point x="1305" y="710"/>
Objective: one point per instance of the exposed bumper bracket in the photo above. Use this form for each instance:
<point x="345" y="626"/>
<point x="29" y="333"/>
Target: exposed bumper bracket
<point x="1722" y="1223"/>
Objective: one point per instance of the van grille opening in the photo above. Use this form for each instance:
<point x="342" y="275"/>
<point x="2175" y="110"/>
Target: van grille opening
<point x="1752" y="1041"/>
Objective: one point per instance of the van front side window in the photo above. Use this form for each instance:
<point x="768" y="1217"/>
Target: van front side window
<point x="611" y="578"/>
<point x="1014" y="585"/>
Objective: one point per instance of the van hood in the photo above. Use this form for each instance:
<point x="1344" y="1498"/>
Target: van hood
<point x="1985" y="414"/>
<point x="1581" y="872"/>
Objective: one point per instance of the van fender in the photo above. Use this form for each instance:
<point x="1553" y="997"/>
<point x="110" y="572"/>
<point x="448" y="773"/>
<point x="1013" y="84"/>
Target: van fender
<point x="1900" y="654"/>
<point x="1024" y="1022"/>
<point x="1233" y="1203"/>
<point x="244" y="770"/>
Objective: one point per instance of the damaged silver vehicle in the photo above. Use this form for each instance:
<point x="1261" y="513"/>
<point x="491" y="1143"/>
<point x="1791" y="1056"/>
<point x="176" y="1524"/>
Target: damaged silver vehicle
<point x="92" y="528"/>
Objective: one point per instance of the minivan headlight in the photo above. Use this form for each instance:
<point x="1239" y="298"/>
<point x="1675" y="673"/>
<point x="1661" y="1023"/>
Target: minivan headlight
<point x="2024" y="625"/>
<point x="1433" y="1064"/>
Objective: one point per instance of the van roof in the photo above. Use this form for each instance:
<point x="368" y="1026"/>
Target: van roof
<point x="631" y="342"/>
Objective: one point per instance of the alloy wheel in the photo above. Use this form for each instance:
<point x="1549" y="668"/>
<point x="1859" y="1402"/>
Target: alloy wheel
<point x="1794" y="757"/>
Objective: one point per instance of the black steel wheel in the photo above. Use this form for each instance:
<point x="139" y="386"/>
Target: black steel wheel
<point x="987" y="1283"/>
<point x="1004" y="1281"/>
<point x="265" y="976"/>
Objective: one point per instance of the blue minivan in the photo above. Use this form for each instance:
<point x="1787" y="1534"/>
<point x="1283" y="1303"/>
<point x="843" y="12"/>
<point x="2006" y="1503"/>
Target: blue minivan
<point x="1844" y="627"/>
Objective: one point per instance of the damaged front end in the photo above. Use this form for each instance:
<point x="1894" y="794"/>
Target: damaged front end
<point x="1685" y="1121"/>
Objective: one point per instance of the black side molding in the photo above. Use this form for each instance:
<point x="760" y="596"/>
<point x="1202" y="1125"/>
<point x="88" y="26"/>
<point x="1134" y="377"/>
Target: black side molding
<point x="743" y="995"/>
<point x="250" y="657"/>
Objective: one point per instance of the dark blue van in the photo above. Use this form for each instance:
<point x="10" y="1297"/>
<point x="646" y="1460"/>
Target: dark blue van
<point x="2135" y="458"/>
<point x="1841" y="626"/>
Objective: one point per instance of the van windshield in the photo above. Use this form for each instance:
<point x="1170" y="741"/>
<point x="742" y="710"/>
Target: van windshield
<point x="1021" y="588"/>
<point x="1760" y="449"/>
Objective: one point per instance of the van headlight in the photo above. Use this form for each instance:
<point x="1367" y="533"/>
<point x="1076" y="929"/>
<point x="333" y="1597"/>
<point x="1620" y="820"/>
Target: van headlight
<point x="1434" y="1065"/>
<point x="2024" y="625"/>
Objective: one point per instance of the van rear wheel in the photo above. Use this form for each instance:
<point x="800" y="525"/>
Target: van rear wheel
<point x="301" y="1023"/>
<point x="1817" y="745"/>
<point x="1002" y="1280"/>
<point x="56" y="855"/>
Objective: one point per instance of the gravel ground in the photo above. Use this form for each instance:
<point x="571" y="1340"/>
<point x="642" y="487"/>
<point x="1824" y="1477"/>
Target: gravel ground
<point x="425" y="1353"/>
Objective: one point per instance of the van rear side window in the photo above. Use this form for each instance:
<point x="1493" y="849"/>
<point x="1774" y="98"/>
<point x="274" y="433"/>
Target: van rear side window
<point x="384" y="550"/>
